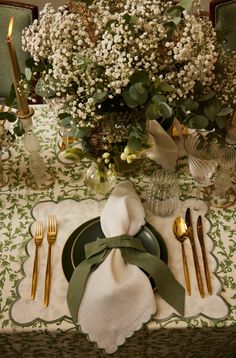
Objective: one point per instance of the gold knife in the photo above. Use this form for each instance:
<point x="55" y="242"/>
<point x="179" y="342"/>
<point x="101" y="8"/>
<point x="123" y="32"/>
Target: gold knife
<point x="202" y="244"/>
<point x="188" y="220"/>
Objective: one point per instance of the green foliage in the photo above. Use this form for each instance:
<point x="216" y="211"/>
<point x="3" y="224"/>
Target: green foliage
<point x="46" y="89"/>
<point x="11" y="117"/>
<point x="185" y="4"/>
<point x="10" y="101"/>
<point x="100" y="96"/>
<point x="18" y="129"/>
<point x="140" y="77"/>
<point x="204" y="112"/>
<point x="141" y="92"/>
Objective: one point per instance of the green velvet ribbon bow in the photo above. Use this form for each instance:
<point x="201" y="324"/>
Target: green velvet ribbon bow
<point x="133" y="253"/>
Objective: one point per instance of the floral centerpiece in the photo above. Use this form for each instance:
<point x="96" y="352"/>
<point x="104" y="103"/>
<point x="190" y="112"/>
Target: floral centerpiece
<point x="107" y="66"/>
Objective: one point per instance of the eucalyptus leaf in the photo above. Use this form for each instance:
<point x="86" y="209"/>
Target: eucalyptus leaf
<point x="66" y="122"/>
<point x="158" y="98"/>
<point x="165" y="110"/>
<point x="134" y="144"/>
<point x="170" y="29"/>
<point x="210" y="111"/>
<point x="100" y="96"/>
<point x="153" y="111"/>
<point x="185" y="4"/>
<point x="83" y="132"/>
<point x="40" y="67"/>
<point x="64" y="115"/>
<point x="129" y="101"/>
<point x="29" y="62"/>
<point x="198" y="121"/>
<point x="28" y="73"/>
<point x="174" y="11"/>
<point x="176" y="20"/>
<point x="165" y="87"/>
<point x="225" y="111"/>
<point x="220" y="121"/>
<point x="139" y="93"/>
<point x="157" y="83"/>
<point x="46" y="89"/>
<point x="131" y="20"/>
<point x="140" y="76"/>
<point x="206" y="97"/>
<point x="190" y="105"/>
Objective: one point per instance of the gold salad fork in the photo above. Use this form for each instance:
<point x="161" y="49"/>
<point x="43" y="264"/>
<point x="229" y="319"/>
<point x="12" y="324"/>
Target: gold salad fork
<point x="51" y="237"/>
<point x="38" y="238"/>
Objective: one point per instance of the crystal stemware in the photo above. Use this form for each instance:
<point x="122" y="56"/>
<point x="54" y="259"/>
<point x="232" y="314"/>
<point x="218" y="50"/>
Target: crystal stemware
<point x="223" y="194"/>
<point x="202" y="150"/>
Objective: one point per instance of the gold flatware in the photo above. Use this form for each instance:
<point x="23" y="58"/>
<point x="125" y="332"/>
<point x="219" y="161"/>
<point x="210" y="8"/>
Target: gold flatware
<point x="38" y="239"/>
<point x="188" y="220"/>
<point x="202" y="244"/>
<point x="51" y="237"/>
<point x="181" y="233"/>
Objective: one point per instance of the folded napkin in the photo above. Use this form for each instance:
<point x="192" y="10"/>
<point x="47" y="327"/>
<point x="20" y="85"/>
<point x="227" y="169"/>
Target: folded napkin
<point x="116" y="299"/>
<point x="163" y="149"/>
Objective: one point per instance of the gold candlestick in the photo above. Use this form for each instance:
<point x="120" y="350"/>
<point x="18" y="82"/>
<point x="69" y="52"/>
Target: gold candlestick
<point x="21" y="100"/>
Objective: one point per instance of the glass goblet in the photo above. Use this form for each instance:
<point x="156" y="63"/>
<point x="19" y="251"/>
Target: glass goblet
<point x="223" y="194"/>
<point x="202" y="151"/>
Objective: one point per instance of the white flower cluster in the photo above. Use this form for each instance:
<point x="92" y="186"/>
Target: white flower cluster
<point x="195" y="55"/>
<point x="125" y="38"/>
<point x="89" y="54"/>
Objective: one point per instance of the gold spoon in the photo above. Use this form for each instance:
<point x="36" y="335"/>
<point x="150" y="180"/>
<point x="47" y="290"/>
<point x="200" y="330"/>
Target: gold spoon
<point x="180" y="230"/>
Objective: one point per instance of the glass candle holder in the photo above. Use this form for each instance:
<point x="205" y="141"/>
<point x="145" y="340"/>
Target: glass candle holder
<point x="39" y="178"/>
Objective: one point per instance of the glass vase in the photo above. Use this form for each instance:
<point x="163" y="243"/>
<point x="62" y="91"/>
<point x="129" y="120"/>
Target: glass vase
<point x="99" y="179"/>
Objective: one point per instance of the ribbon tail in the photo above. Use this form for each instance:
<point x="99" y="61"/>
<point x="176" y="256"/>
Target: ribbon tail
<point x="169" y="289"/>
<point x="76" y="287"/>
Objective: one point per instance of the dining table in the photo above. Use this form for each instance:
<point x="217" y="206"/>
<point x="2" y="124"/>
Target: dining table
<point x="28" y="329"/>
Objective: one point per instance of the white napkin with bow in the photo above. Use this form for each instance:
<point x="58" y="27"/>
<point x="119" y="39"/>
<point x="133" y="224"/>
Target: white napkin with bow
<point x="118" y="297"/>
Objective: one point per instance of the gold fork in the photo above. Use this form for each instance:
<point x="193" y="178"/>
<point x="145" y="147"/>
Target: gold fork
<point x="51" y="237"/>
<point x="38" y="238"/>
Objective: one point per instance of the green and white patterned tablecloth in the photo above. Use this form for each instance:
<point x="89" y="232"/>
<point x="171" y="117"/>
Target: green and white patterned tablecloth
<point x="198" y="336"/>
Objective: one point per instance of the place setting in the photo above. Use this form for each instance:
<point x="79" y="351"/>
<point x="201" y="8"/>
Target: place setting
<point x="101" y="266"/>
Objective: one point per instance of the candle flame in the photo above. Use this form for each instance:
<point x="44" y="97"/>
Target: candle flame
<point x="10" y="28"/>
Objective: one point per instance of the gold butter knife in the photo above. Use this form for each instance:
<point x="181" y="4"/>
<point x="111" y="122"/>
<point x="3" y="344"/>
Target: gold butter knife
<point x="202" y="244"/>
<point x="188" y="220"/>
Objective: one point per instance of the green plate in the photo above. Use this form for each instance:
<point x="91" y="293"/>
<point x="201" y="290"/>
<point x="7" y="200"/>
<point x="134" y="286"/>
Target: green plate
<point x="73" y="252"/>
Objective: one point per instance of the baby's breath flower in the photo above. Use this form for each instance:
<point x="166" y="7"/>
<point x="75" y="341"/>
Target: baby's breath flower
<point x="90" y="55"/>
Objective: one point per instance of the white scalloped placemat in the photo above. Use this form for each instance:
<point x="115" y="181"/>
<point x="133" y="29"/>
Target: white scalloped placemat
<point x="71" y="214"/>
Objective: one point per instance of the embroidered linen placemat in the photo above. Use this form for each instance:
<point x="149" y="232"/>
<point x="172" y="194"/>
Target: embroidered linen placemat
<point x="71" y="214"/>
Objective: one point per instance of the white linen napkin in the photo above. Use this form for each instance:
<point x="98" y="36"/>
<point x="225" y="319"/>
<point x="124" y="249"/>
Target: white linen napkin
<point x="163" y="151"/>
<point x="118" y="297"/>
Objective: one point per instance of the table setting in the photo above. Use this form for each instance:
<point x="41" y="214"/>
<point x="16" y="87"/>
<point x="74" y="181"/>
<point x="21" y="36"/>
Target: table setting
<point x="74" y="206"/>
<point x="117" y="236"/>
